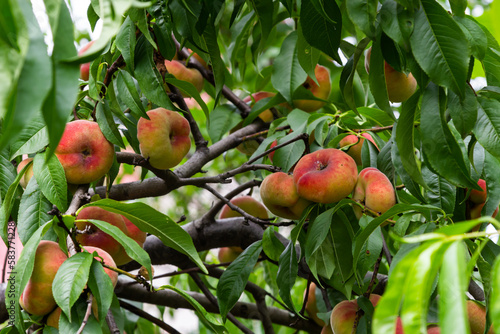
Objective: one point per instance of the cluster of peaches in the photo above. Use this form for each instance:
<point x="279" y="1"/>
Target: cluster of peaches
<point x="344" y="315"/>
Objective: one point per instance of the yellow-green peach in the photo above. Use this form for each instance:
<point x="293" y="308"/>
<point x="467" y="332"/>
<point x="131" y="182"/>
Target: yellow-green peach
<point x="181" y="72"/>
<point x="246" y="203"/>
<point x="37" y="297"/>
<point x="164" y="138"/>
<point x="85" y="154"/>
<point x="325" y="176"/>
<point x="374" y="191"/>
<point x="279" y="195"/>
<point x="321" y="91"/>
<point x="28" y="174"/>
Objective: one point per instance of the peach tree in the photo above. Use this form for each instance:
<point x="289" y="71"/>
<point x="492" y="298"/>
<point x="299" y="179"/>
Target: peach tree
<point x="258" y="88"/>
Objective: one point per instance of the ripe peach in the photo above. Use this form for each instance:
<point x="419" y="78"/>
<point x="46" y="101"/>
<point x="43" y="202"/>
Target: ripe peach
<point x="28" y="174"/>
<point x="279" y="194"/>
<point x="476" y="196"/>
<point x="374" y="190"/>
<point x="53" y="318"/>
<point x="37" y="298"/>
<point x="355" y="150"/>
<point x="92" y="236"/>
<point x="181" y="72"/>
<point x="194" y="55"/>
<point x="325" y="176"/>
<point x="477" y="318"/>
<point x="312" y="306"/>
<point x="433" y="330"/>
<point x="229" y="254"/>
<point x="399" y="85"/>
<point x="164" y="139"/>
<point x="344" y="314"/>
<point x="248" y="204"/>
<point x="321" y="91"/>
<point x="85" y="154"/>
<point x="106" y="259"/>
<point x="476" y="202"/>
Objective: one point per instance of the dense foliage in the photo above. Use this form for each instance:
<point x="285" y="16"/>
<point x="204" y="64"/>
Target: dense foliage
<point x="424" y="255"/>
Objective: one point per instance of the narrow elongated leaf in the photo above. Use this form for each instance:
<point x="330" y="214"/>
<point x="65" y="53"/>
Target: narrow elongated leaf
<point x="463" y="112"/>
<point x="442" y="193"/>
<point x="64" y="90"/>
<point x="32" y="139"/>
<point x="222" y="119"/>
<point x="70" y="280"/>
<point x="22" y="273"/>
<point x="49" y="175"/>
<point x="453" y="284"/>
<point x="151" y="221"/>
<point x="487" y="128"/>
<point x="440" y="47"/>
<point x="189" y="89"/>
<point x="322" y="27"/>
<point x="7" y="176"/>
<point x="234" y="279"/>
<point x="288" y="75"/>
<point x="440" y="148"/>
<point x="287" y="273"/>
<point x="218" y="66"/>
<point x="102" y="288"/>
<point x="107" y="124"/>
<point x="495" y="295"/>
<point x="125" y="42"/>
<point x="208" y="320"/>
<point x="126" y="91"/>
<point x="491" y="172"/>
<point x="376" y="78"/>
<point x="8" y="203"/>
<point x="131" y="247"/>
<point x="320" y="262"/>
<point x="33" y="211"/>
<point x="36" y="63"/>
<point x="363" y="14"/>
<point x="271" y="245"/>
<point x="476" y="37"/>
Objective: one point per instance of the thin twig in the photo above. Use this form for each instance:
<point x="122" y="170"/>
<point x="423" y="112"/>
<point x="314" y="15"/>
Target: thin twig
<point x="88" y="312"/>
<point x="149" y="317"/>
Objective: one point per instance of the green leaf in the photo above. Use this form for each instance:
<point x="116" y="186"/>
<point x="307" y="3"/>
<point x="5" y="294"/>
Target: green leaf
<point x="131" y="247"/>
<point x="376" y="78"/>
<point x="476" y="37"/>
<point x="64" y="89"/>
<point x="491" y="170"/>
<point x="287" y="156"/>
<point x="487" y="127"/>
<point x="107" y="124"/>
<point x="151" y="221"/>
<point x="49" y="175"/>
<point x="126" y="92"/>
<point x="405" y="140"/>
<point x="371" y="249"/>
<point x="189" y="89"/>
<point x="453" y="283"/>
<point x="363" y="14"/>
<point x="463" y="112"/>
<point x="209" y="321"/>
<point x="125" y="42"/>
<point x="442" y="193"/>
<point x="458" y="7"/>
<point x="494" y="305"/>
<point x="287" y="273"/>
<point x="138" y="15"/>
<point x="101" y="287"/>
<point x="271" y="245"/>
<point x="320" y="262"/>
<point x="33" y="138"/>
<point x="8" y="202"/>
<point x="27" y="97"/>
<point x="440" y="47"/>
<point x="288" y="75"/>
<point x="321" y="23"/>
<point x="234" y="279"/>
<point x="22" y="273"/>
<point x="440" y="148"/>
<point x="8" y="174"/>
<point x="222" y="119"/>
<point x="33" y="211"/>
<point x="70" y="280"/>
<point x="148" y="77"/>
<point x="218" y="66"/>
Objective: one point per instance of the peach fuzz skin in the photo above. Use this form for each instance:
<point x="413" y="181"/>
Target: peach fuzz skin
<point x="92" y="236"/>
<point x="374" y="190"/>
<point x="28" y="174"/>
<point x="246" y="203"/>
<point x="355" y="150"/>
<point x="312" y="306"/>
<point x="106" y="259"/>
<point x="325" y="176"/>
<point x="280" y="196"/>
<point x="85" y="154"/>
<point x="477" y="318"/>
<point x="37" y="298"/>
<point x="322" y="91"/>
<point x="344" y="314"/>
<point x="181" y="72"/>
<point x="164" y="139"/>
